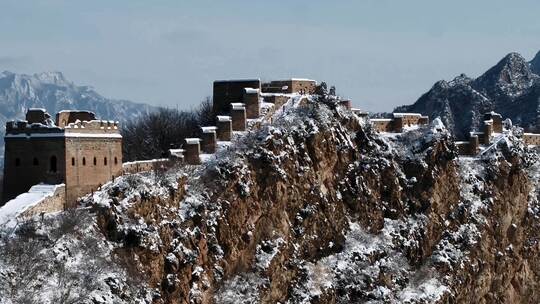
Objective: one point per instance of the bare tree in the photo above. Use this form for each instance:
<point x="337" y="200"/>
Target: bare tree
<point x="153" y="134"/>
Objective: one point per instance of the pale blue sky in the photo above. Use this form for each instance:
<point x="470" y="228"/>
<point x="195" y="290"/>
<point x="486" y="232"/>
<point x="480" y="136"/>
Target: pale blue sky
<point x="380" y="53"/>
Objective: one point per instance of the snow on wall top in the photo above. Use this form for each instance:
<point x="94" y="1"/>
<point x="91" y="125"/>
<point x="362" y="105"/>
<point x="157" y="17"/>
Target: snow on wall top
<point x="224" y="118"/>
<point x="76" y="111"/>
<point x="210" y="129"/>
<point x="148" y="161"/>
<point x="61" y="134"/>
<point x="406" y="114"/>
<point x="302" y="79"/>
<point x="251" y="90"/>
<point x="193" y="141"/>
<point x="34" y="196"/>
<point x="238" y="106"/>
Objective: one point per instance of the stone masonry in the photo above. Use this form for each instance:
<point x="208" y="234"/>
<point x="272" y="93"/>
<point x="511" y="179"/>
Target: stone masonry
<point x="82" y="154"/>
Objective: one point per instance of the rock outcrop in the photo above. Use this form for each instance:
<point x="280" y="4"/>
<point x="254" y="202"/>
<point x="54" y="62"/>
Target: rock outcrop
<point x="316" y="208"/>
<point x="313" y="206"/>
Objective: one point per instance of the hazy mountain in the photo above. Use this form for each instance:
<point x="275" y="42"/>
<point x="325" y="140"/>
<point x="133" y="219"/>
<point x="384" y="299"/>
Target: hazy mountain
<point x="511" y="87"/>
<point x="52" y="91"/>
<point x="535" y="64"/>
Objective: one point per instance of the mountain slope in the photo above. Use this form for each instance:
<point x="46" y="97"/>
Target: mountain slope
<point x="52" y="91"/>
<point x="511" y="88"/>
<point x="535" y="64"/>
<point x="311" y="206"/>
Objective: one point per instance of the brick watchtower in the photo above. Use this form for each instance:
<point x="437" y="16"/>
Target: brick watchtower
<point x="77" y="150"/>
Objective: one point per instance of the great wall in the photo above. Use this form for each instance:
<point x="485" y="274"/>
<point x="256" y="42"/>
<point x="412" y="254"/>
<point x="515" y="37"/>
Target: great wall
<point x="77" y="154"/>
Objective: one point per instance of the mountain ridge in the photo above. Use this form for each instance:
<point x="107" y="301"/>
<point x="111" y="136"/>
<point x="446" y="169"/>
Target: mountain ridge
<point x="511" y="87"/>
<point x="54" y="92"/>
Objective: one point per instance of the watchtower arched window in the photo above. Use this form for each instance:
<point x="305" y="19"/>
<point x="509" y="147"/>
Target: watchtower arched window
<point x="52" y="165"/>
<point x="36" y="161"/>
<point x="84" y="161"/>
<point x="95" y="161"/>
<point x="73" y="161"/>
<point x="115" y="160"/>
<point x="17" y="162"/>
<point x="104" y="161"/>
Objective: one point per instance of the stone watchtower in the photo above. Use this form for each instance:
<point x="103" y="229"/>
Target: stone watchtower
<point x="77" y="150"/>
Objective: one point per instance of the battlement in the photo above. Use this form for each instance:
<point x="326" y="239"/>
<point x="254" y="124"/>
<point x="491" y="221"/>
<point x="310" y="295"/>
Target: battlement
<point x="66" y="117"/>
<point x="531" y="139"/>
<point x="399" y="122"/>
<point x="491" y="126"/>
<point x="250" y="92"/>
<point x="290" y="86"/>
<point x="38" y="124"/>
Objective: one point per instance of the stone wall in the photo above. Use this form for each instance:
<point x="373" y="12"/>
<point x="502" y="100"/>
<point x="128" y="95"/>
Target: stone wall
<point x="410" y="119"/>
<point x="398" y="122"/>
<point x="90" y="163"/>
<point x="32" y="160"/>
<point x="54" y="203"/>
<point x="383" y="124"/>
<point x="144" y="165"/>
<point x="275" y="98"/>
<point x="289" y="86"/>
<point x="531" y="139"/>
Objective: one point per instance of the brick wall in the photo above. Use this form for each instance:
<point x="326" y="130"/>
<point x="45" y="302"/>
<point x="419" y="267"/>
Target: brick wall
<point x="89" y="163"/>
<point x="28" y="161"/>
<point x="143" y="165"/>
<point x="531" y="139"/>
<point x="383" y="125"/>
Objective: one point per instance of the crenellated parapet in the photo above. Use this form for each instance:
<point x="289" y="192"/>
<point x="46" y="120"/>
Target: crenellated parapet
<point x="492" y="127"/>
<point x="243" y="105"/>
<point x="93" y="127"/>
<point x="399" y="122"/>
<point x="531" y="139"/>
<point x="39" y="124"/>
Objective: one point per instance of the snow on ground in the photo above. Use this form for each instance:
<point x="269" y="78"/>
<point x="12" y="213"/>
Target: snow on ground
<point x="242" y="289"/>
<point x="16" y="206"/>
<point x="62" y="258"/>
<point x="364" y="259"/>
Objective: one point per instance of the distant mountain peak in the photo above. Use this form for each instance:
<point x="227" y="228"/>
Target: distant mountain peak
<point x="511" y="77"/>
<point x="535" y="64"/>
<point x="52" y="91"/>
<point x="510" y="88"/>
<point x="52" y="77"/>
<point x="462" y="79"/>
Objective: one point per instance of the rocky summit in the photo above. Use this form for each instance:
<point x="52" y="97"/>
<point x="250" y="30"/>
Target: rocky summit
<point x="511" y="87"/>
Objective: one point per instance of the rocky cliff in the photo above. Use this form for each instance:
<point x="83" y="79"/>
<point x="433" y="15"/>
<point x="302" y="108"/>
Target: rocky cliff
<point x="312" y="206"/>
<point x="511" y="87"/>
